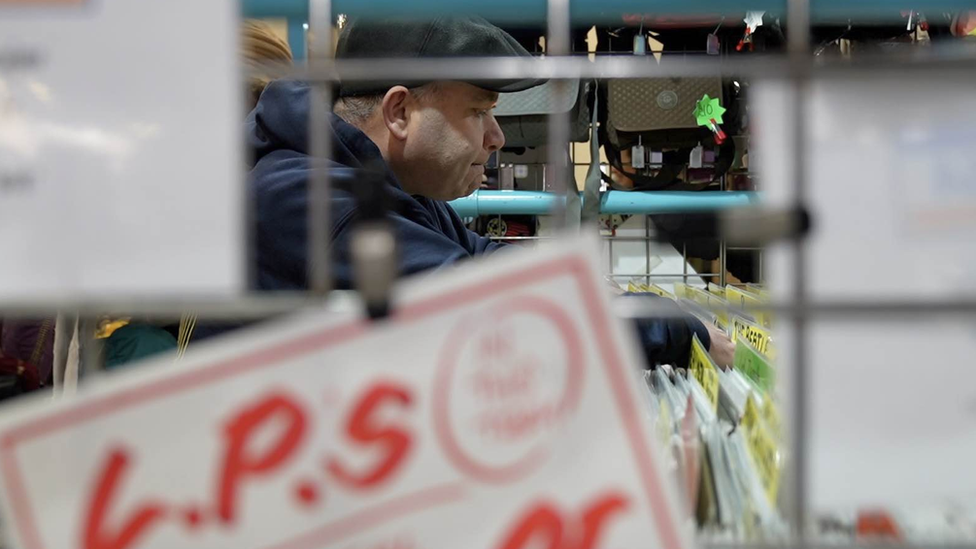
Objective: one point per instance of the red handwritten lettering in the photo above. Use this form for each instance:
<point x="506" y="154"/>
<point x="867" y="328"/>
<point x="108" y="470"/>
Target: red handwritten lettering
<point x="543" y="521"/>
<point x="396" y="442"/>
<point x="106" y="491"/>
<point x="546" y="523"/>
<point x="595" y="519"/>
<point x="241" y="462"/>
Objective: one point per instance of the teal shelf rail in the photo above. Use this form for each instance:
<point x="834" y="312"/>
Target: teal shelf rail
<point x="485" y="202"/>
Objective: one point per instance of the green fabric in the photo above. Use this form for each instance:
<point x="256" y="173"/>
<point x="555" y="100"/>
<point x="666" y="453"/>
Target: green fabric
<point x="134" y="342"/>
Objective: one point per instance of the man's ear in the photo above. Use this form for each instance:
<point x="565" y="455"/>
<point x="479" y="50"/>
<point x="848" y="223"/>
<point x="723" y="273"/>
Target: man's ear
<point x="395" y="111"/>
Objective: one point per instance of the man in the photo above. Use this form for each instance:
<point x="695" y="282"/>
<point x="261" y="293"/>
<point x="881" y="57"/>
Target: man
<point x="426" y="141"/>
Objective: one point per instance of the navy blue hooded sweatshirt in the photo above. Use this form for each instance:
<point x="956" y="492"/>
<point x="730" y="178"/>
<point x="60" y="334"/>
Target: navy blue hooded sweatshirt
<point x="429" y="233"/>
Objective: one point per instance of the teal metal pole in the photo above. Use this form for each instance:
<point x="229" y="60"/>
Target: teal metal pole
<point x="613" y="202"/>
<point x="620" y="202"/>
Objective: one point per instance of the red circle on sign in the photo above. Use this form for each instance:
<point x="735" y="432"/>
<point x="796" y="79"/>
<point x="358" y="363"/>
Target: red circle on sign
<point x="477" y="330"/>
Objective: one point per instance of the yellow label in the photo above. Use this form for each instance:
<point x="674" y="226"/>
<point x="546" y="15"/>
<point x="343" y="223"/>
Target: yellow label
<point x="716" y="289"/>
<point x="762" y="447"/>
<point x="772" y="418"/>
<point x="681" y="291"/>
<point x="759" y="291"/>
<point x="756" y="335"/>
<point x="750" y="416"/>
<point x="699" y="296"/>
<point x="701" y="366"/>
<point x="714" y="303"/>
<point x="655" y="289"/>
<point x="639" y="288"/>
<point x="108" y="327"/>
<point x="720" y="307"/>
<point x="740" y="298"/>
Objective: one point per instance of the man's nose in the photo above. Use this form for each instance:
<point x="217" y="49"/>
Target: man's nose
<point x="494" y="137"/>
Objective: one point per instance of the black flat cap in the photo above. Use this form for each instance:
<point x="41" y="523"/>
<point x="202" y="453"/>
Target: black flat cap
<point x="442" y="37"/>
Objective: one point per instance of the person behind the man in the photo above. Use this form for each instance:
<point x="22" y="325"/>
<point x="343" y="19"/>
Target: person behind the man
<point x="427" y="141"/>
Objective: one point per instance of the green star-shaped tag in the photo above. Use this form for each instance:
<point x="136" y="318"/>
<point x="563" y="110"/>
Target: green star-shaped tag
<point x="708" y="109"/>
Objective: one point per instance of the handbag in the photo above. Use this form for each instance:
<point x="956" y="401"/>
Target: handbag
<point x="523" y="116"/>
<point x="656" y="113"/>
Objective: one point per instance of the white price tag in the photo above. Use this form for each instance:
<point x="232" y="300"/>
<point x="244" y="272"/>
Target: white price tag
<point x="521" y="171"/>
<point x="637" y="158"/>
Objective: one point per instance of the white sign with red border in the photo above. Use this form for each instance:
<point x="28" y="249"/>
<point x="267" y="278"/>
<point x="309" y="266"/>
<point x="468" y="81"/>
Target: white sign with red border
<point x="498" y="408"/>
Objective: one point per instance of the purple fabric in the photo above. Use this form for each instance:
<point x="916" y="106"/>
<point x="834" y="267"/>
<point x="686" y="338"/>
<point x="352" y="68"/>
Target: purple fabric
<point x="18" y="339"/>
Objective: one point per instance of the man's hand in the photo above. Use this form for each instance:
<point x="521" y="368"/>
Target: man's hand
<point x="722" y="349"/>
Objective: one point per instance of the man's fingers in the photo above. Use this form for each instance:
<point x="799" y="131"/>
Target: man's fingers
<point x="722" y="350"/>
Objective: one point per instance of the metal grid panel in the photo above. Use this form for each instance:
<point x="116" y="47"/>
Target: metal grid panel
<point x="797" y="67"/>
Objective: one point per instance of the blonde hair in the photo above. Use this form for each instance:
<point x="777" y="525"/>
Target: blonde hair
<point x="261" y="47"/>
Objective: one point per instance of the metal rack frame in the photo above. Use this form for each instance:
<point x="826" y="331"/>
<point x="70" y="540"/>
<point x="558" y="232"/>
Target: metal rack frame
<point x="797" y="67"/>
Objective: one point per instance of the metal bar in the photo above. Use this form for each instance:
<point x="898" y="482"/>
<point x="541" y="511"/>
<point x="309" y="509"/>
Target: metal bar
<point x="651" y="238"/>
<point x="263" y="306"/>
<point x="319" y="51"/>
<point x="167" y="308"/>
<point x="553" y="237"/>
<point x="647" y="247"/>
<point x="660" y="275"/>
<point x="762" y="275"/>
<point x="91" y="348"/>
<point x="536" y="238"/>
<point x="558" y="36"/>
<point x="961" y="59"/>
<point x="684" y="257"/>
<point x="604" y="237"/>
<point x="723" y="266"/>
<point x="837" y="311"/>
<point x="557" y="44"/>
<point x="851" y="544"/>
<point x="798" y="27"/>
<point x="320" y="27"/>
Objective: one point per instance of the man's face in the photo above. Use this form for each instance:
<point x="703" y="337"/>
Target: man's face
<point x="452" y="134"/>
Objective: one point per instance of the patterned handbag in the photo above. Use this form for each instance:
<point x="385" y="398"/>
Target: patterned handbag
<point x="523" y="116"/>
<point x="657" y="114"/>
